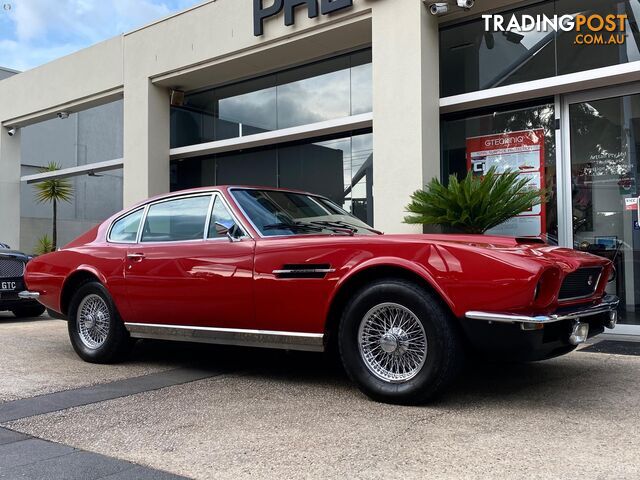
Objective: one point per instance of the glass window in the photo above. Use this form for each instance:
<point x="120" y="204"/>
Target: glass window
<point x="176" y="220"/>
<point x="333" y="88"/>
<point x="339" y="168"/>
<point x="286" y="213"/>
<point x="473" y="59"/>
<point x="514" y="138"/>
<point x="604" y="187"/>
<point x="222" y="223"/>
<point x="574" y="57"/>
<point x="126" y="229"/>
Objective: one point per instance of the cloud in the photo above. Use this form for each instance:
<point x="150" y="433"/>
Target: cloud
<point x="37" y="31"/>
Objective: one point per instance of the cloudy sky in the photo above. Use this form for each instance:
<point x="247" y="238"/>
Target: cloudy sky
<point x="33" y="32"/>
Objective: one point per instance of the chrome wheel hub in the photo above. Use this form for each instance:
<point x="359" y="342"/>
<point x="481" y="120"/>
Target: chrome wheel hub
<point x="392" y="342"/>
<point x="93" y="321"/>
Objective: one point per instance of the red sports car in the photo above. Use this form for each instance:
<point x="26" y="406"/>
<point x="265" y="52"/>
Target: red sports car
<point x="285" y="269"/>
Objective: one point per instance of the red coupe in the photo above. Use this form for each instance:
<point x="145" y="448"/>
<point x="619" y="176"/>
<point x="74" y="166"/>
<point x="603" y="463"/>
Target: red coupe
<point x="276" y="268"/>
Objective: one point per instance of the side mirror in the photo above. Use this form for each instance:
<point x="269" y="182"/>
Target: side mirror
<point x="231" y="232"/>
<point x="231" y="237"/>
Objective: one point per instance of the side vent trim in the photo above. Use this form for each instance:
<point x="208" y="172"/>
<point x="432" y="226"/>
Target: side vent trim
<point x="306" y="270"/>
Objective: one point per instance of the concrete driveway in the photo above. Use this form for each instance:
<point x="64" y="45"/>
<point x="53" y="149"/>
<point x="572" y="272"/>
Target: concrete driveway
<point x="270" y="414"/>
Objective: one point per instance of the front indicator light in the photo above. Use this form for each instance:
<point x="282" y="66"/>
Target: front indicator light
<point x="579" y="333"/>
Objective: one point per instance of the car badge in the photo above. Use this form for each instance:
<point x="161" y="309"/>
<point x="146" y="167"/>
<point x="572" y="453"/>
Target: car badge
<point x="590" y="280"/>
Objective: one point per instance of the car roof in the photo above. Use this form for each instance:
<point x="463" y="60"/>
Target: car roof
<point x="224" y="188"/>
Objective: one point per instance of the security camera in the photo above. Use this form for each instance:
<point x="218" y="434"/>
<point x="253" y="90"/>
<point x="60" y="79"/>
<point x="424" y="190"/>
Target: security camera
<point x="11" y="131"/>
<point x="63" y="115"/>
<point x="466" y="4"/>
<point x="439" y="8"/>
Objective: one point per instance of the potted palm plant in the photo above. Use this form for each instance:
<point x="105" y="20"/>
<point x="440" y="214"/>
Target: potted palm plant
<point x="474" y="204"/>
<point x="52" y="191"/>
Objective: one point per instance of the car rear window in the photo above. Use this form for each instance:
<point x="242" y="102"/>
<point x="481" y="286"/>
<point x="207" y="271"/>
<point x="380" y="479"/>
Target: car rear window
<point x="126" y="229"/>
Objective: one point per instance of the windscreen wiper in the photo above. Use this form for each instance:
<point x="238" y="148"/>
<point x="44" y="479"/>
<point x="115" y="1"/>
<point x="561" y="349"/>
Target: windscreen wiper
<point x="342" y="222"/>
<point x="336" y="226"/>
<point x="294" y="226"/>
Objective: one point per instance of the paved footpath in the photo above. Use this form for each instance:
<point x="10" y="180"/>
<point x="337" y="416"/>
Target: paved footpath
<point x="196" y="411"/>
<point x="26" y="457"/>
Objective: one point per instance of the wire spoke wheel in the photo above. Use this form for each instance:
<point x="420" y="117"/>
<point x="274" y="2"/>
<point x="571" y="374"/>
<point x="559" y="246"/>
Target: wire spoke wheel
<point x="392" y="342"/>
<point x="93" y="321"/>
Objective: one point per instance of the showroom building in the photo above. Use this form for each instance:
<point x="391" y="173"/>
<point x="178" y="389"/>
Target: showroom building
<point x="364" y="101"/>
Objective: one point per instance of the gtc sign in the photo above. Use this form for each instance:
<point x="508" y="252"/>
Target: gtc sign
<point x="260" y="12"/>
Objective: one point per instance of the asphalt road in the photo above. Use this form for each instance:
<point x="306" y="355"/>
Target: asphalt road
<point x="272" y="414"/>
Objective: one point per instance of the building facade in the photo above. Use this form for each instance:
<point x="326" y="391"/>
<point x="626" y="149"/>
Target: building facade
<point x="364" y="101"/>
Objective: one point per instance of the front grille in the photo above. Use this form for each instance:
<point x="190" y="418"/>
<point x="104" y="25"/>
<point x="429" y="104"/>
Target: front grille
<point x="580" y="284"/>
<point x="11" y="268"/>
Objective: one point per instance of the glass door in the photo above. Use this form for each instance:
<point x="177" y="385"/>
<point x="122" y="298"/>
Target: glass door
<point x="601" y="135"/>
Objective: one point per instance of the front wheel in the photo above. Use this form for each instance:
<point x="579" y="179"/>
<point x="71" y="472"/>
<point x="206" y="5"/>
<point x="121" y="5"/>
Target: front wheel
<point x="398" y="343"/>
<point x="28" y="311"/>
<point x="96" y="331"/>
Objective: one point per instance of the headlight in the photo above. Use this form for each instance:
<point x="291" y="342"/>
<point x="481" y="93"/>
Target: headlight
<point x="612" y="274"/>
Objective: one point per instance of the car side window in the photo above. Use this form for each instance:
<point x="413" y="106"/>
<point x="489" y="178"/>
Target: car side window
<point x="126" y="229"/>
<point x="176" y="220"/>
<point x="221" y="221"/>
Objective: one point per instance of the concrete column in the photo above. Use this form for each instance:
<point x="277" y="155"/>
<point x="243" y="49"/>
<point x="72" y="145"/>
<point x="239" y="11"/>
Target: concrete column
<point x="406" y="119"/>
<point x="10" y="188"/>
<point x="146" y="141"/>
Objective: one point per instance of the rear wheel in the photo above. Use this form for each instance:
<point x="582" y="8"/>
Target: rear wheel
<point x="398" y="343"/>
<point x="96" y="330"/>
<point x="28" y="311"/>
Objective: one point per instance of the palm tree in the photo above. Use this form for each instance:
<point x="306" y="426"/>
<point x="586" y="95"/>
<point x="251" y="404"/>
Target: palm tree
<point x="54" y="191"/>
<point x="474" y="204"/>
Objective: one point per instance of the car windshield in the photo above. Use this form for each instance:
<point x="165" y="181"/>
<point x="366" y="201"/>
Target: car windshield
<point x="277" y="213"/>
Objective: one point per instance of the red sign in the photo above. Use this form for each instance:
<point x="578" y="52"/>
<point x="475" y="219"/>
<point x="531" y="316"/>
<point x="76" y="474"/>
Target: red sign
<point x="521" y="151"/>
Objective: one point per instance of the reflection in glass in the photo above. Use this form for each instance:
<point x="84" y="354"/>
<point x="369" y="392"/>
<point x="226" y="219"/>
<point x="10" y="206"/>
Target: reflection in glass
<point x="340" y="168"/>
<point x="605" y="137"/>
<point x="328" y="89"/>
<point x="457" y="130"/>
<point x="473" y="59"/>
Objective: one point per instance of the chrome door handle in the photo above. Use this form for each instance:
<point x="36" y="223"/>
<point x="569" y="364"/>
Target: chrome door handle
<point x="135" y="257"/>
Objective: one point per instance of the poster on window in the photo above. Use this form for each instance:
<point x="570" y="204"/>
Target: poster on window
<point x="521" y="151"/>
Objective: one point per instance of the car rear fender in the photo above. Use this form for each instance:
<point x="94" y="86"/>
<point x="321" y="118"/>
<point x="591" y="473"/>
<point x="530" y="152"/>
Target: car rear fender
<point x="80" y="275"/>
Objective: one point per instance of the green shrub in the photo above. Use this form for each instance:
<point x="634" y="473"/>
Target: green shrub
<point x="474" y="204"/>
<point x="45" y="245"/>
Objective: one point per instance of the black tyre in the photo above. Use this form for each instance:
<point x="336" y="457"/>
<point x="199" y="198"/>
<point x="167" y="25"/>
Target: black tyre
<point x="96" y="330"/>
<point x="28" y="311"/>
<point x="398" y="343"/>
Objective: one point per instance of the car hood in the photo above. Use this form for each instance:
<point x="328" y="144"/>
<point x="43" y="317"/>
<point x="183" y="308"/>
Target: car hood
<point x="14" y="254"/>
<point x="518" y="249"/>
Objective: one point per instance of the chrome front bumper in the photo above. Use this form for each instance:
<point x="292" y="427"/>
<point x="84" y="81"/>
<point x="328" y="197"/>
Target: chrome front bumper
<point x="608" y="305"/>
<point x="27" y="295"/>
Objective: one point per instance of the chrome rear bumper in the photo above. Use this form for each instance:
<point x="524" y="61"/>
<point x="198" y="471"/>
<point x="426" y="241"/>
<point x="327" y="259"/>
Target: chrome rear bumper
<point x="608" y="304"/>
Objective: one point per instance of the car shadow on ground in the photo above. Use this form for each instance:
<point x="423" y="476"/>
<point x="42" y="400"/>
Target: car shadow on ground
<point x="7" y="318"/>
<point x="482" y="382"/>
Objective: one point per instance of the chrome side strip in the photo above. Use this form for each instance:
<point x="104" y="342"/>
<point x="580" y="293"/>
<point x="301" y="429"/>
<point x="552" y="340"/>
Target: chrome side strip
<point x="304" y="270"/>
<point x="313" y="342"/>
<point x="609" y="304"/>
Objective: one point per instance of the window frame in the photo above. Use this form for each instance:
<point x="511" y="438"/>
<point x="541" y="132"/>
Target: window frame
<point x="122" y="217"/>
<point x="245" y="234"/>
<point x="213" y="194"/>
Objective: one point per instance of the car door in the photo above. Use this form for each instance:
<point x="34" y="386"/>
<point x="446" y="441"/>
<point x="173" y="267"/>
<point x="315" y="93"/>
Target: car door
<point x="193" y="265"/>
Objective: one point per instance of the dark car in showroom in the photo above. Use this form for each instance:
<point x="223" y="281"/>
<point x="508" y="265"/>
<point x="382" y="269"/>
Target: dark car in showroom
<point x="12" y="265"/>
